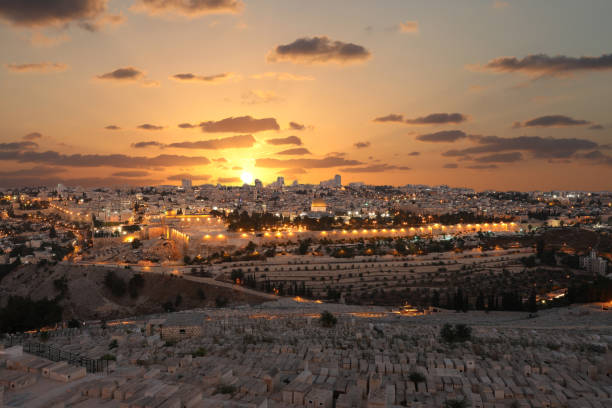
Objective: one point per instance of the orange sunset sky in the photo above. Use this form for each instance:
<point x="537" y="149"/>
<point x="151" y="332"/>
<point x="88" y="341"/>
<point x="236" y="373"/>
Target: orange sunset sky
<point x="484" y="94"/>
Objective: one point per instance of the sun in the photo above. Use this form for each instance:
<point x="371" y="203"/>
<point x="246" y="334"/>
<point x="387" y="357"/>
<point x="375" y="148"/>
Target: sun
<point x="246" y="177"/>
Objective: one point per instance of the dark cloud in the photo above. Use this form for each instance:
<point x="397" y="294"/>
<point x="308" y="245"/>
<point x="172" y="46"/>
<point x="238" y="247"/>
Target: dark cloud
<point x="133" y="173"/>
<point x="40" y="67"/>
<point x="438" y="119"/>
<point x="187" y="126"/>
<point x="324" y="163"/>
<point x="123" y="74"/>
<point x="552" y="121"/>
<point x="39" y="13"/>
<point x="390" y="118"/>
<point x="500" y="158"/>
<point x="481" y="167"/>
<point x="375" y="168"/>
<point x="244" y="124"/>
<point x="84" y="181"/>
<point x="189" y="8"/>
<point x="32" y="136"/>
<point x="362" y="145"/>
<point x="414" y="153"/>
<point x="102" y="160"/>
<point x="596" y="157"/>
<point x="228" y="180"/>
<point x="18" y="146"/>
<point x="112" y="127"/>
<point x="294" y="140"/>
<point x="538" y="146"/>
<point x="313" y="50"/>
<point x="297" y="151"/>
<point x="232" y="142"/>
<point x="148" y="126"/>
<point x="296" y="126"/>
<point x="211" y="79"/>
<point x="143" y="145"/>
<point x="182" y="176"/>
<point x="37" y="171"/>
<point x="451" y="166"/>
<point x="544" y="65"/>
<point x="444" y="136"/>
<point x="596" y="127"/>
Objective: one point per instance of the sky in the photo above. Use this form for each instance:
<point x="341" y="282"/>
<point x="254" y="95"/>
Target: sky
<point x="488" y="94"/>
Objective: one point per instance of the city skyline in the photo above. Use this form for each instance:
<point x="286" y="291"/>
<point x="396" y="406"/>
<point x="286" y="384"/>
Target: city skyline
<point x="487" y="95"/>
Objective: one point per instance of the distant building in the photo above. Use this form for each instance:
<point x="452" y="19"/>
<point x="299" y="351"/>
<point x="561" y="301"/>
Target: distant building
<point x="594" y="264"/>
<point x="258" y="184"/>
<point x="318" y="205"/>
<point x="186" y="184"/>
<point x="335" y="182"/>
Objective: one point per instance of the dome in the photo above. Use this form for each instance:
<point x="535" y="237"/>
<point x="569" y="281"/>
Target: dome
<point x="317" y="202"/>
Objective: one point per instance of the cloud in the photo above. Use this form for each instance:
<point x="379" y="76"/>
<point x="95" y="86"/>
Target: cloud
<point x="41" y="13"/>
<point x="220" y="160"/>
<point x="499" y="4"/>
<point x="551" y="121"/>
<point x="297" y="151"/>
<point x="207" y="79"/>
<point x="544" y="65"/>
<point x="414" y="153"/>
<point x="539" y="147"/>
<point x="143" y="145"/>
<point x="500" y="158"/>
<point x="257" y="96"/>
<point x="319" y="50"/>
<point x="84" y="181"/>
<point x="482" y="167"/>
<point x="411" y="27"/>
<point x="188" y="8"/>
<point x="450" y="166"/>
<point x="241" y="124"/>
<point x="32" y="136"/>
<point x="444" y="136"/>
<point x="98" y="24"/>
<point x="390" y="118"/>
<point x="18" y="146"/>
<point x="123" y="74"/>
<point x="102" y="160"/>
<point x="282" y="76"/>
<point x="228" y="180"/>
<point x="148" y="126"/>
<point x="596" y="157"/>
<point x="293" y="172"/>
<point x="375" y="168"/>
<point x="296" y="126"/>
<point x="232" y="142"/>
<point x="362" y="145"/>
<point x="596" y="127"/>
<point x="36" y="171"/>
<point x="112" y="127"/>
<point x="187" y="126"/>
<point x="324" y="163"/>
<point x="294" y="140"/>
<point x="132" y="173"/>
<point x="38" y="67"/>
<point x="438" y="119"/>
<point x="182" y="176"/>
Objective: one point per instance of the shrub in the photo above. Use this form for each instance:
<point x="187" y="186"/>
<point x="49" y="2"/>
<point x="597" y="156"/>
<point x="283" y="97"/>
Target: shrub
<point x="327" y="319"/>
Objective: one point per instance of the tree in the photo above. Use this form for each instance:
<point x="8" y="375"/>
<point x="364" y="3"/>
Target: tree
<point x="456" y="403"/>
<point x="327" y="319"/>
<point x="416" y="378"/>
<point x="532" y="305"/>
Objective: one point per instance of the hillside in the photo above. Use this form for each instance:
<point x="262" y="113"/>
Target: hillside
<point x="84" y="295"/>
